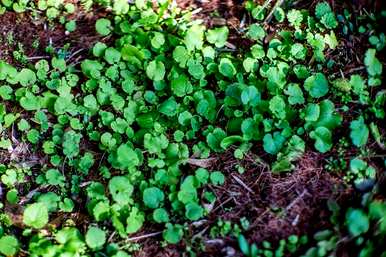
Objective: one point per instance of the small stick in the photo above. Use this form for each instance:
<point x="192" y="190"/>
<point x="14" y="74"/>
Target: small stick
<point x="269" y="17"/>
<point x="75" y="53"/>
<point x="223" y="203"/>
<point x="296" y="200"/>
<point x="37" y="57"/>
<point x="238" y="180"/>
<point x="111" y="237"/>
<point x="143" y="236"/>
<point x="265" y="5"/>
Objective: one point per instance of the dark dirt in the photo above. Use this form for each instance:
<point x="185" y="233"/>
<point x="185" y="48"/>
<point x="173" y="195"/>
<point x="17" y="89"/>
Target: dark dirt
<point x="276" y="206"/>
<point x="20" y="28"/>
<point x="216" y="12"/>
<point x="34" y="35"/>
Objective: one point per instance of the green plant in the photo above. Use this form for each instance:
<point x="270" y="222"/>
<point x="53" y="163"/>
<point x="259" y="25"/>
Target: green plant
<point x="118" y="131"/>
<point x="285" y="246"/>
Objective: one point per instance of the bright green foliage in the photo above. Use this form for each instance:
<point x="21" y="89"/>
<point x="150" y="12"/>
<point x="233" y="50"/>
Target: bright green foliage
<point x="359" y="132"/>
<point x="259" y="12"/>
<point x="71" y="142"/>
<point x="95" y="238"/>
<point x="316" y="85"/>
<point x="160" y="215"/>
<point x="295" y="94"/>
<point x="357" y="222"/>
<point x="121" y="189"/>
<point x="9" y="245"/>
<point x="218" y="36"/>
<point x="126" y="157"/>
<point x="194" y="38"/>
<point x="103" y="26"/>
<point x="295" y="17"/>
<point x="298" y="51"/>
<point x="193" y="211"/>
<point x="326" y="16"/>
<point x="329" y="20"/>
<point x="227" y="68"/>
<point x="26" y="77"/>
<point x="217" y="178"/>
<point x="5" y="92"/>
<point x="361" y="172"/>
<point x="35" y="215"/>
<point x="321" y="9"/>
<point x="155" y="70"/>
<point x="54" y="177"/>
<point x="279" y="14"/>
<point x="153" y="197"/>
<point x="158" y="40"/>
<point x="180" y="55"/>
<point x="256" y="32"/>
<point x="181" y="86"/>
<point x="277" y="106"/>
<point x="173" y="233"/>
<point x="323" y="139"/>
<point x="134" y="221"/>
<point x="373" y="65"/>
<point x="273" y="143"/>
<point x="121" y="131"/>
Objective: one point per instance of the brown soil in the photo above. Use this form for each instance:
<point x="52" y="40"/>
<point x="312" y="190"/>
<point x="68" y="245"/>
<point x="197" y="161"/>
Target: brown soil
<point x="20" y="28"/>
<point x="276" y="206"/>
<point x="215" y="12"/>
<point x="279" y="206"/>
<point x="34" y="35"/>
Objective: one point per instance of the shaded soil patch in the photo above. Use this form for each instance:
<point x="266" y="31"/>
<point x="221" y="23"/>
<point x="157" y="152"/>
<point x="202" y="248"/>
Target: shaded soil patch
<point x="20" y="29"/>
<point x="215" y="12"/>
<point x="276" y="206"/>
<point x="30" y="36"/>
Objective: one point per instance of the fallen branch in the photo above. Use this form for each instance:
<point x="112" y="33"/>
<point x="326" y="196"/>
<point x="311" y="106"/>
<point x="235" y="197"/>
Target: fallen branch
<point x="203" y="163"/>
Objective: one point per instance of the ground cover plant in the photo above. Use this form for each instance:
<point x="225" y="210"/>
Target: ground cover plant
<point x="125" y="146"/>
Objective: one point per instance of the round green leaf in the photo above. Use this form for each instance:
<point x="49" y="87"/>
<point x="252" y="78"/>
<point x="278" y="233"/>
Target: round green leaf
<point x="316" y="85"/>
<point x="323" y="139"/>
<point x="173" y="233"/>
<point x="121" y="189"/>
<point x="359" y="132"/>
<point x="227" y="68"/>
<point x="153" y="197"/>
<point x="103" y="26"/>
<point x="9" y="245"/>
<point x="155" y="70"/>
<point x="36" y="215"/>
<point x="26" y="77"/>
<point x="160" y="215"/>
<point x="193" y="211"/>
<point x="95" y="238"/>
<point x="357" y="221"/>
